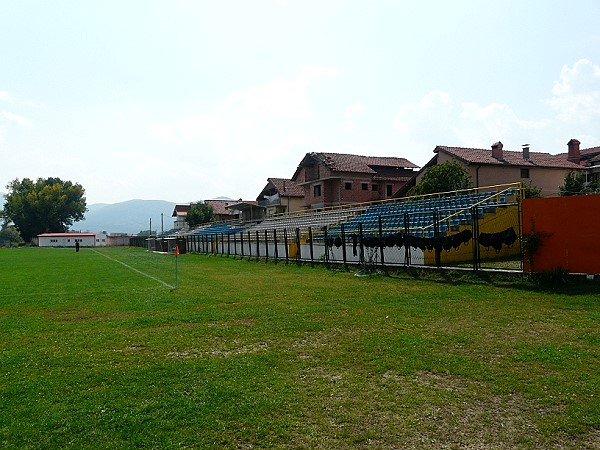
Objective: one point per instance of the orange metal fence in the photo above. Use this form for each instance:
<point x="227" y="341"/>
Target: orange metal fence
<point x="567" y="228"/>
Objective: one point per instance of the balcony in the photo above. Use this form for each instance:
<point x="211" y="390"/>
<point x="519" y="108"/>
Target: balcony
<point x="270" y="200"/>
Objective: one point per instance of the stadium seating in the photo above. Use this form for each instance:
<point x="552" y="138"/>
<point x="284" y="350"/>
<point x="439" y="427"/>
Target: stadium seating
<point x="417" y="216"/>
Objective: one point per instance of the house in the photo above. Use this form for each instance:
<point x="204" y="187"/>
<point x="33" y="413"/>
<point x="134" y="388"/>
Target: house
<point x="589" y="158"/>
<point x="180" y="213"/>
<point x="331" y="179"/>
<point x="219" y="207"/>
<point x="490" y="167"/>
<point x="280" y="196"/>
<point x="246" y="210"/>
<point x="71" y="239"/>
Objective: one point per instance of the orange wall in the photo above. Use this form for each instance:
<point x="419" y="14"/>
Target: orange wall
<point x="570" y="226"/>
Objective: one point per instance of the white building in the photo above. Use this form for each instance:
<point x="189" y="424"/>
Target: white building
<point x="70" y="239"/>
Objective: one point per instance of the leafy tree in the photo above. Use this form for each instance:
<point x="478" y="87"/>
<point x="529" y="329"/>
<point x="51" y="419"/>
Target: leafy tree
<point x="449" y="176"/>
<point x="532" y="191"/>
<point x="575" y="184"/>
<point x="9" y="235"/>
<point x="46" y="205"/>
<point x="199" y="213"/>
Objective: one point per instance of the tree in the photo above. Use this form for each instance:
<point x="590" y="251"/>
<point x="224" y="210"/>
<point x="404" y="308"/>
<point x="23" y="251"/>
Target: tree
<point x="575" y="184"/>
<point x="532" y="191"/>
<point x="199" y="213"/>
<point x="46" y="205"/>
<point x="449" y="176"/>
<point x="9" y="236"/>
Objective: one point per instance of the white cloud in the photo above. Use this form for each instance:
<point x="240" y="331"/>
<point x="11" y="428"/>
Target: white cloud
<point x="256" y="133"/>
<point x="194" y="130"/>
<point x="350" y="114"/>
<point x="486" y="124"/>
<point x="258" y="110"/>
<point x="436" y="120"/>
<point x="353" y="110"/>
<point x="5" y="97"/>
<point x="433" y="109"/>
<point x="576" y="94"/>
<point x="6" y="116"/>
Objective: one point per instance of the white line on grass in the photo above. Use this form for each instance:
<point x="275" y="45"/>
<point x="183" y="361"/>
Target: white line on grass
<point x="134" y="269"/>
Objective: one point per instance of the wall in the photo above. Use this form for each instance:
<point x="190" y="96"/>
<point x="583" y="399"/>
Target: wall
<point x="547" y="179"/>
<point x="500" y="220"/>
<point x="66" y="241"/>
<point x="569" y="229"/>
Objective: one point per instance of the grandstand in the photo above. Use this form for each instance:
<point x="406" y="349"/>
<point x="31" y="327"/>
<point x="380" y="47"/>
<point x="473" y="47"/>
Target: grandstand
<point x="315" y="220"/>
<point x="219" y="228"/>
<point x="398" y="231"/>
<point x="419" y="216"/>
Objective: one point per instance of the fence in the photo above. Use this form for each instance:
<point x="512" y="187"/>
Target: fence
<point x="479" y="232"/>
<point x="565" y="228"/>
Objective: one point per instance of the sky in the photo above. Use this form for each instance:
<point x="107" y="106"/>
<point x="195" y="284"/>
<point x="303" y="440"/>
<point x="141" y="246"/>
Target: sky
<point x="190" y="100"/>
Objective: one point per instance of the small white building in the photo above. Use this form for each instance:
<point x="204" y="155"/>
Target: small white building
<point x="70" y="239"/>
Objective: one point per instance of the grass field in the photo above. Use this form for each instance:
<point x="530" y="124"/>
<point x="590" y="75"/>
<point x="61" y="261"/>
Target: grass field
<point x="97" y="351"/>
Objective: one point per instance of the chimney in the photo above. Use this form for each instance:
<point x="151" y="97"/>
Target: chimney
<point x="574" y="155"/>
<point x="526" y="152"/>
<point x="497" y="150"/>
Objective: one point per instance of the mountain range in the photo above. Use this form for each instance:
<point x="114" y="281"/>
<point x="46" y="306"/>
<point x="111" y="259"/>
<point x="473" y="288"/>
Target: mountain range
<point x="131" y="216"/>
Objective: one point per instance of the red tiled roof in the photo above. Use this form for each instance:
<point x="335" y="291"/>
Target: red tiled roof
<point x="340" y="162"/>
<point x="591" y="155"/>
<point x="66" y="234"/>
<point x="242" y="204"/>
<point x="220" y="206"/>
<point x="180" y="209"/>
<point x="509" y="158"/>
<point x="404" y="179"/>
<point x="286" y="187"/>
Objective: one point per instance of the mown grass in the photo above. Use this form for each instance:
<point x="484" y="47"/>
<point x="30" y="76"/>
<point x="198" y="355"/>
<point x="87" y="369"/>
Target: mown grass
<point x="254" y="355"/>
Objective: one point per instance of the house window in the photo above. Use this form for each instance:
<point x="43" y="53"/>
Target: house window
<point x="348" y="186"/>
<point x="364" y="186"/>
<point x="524" y="173"/>
<point x="388" y="190"/>
<point x="375" y="187"/>
<point x="317" y="190"/>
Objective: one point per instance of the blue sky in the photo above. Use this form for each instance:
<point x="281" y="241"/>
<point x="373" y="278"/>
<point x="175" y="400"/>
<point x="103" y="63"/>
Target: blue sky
<point x="188" y="100"/>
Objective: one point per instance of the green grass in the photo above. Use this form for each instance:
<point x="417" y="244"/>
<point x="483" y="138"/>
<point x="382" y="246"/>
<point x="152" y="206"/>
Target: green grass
<point x="252" y="355"/>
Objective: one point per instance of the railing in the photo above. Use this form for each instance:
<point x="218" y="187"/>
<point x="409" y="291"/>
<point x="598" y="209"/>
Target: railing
<point x="481" y="235"/>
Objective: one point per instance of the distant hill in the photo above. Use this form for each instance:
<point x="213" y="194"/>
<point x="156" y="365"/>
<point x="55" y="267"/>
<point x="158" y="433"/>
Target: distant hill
<point x="131" y="216"/>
